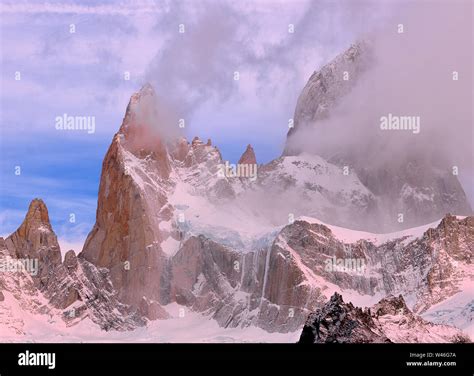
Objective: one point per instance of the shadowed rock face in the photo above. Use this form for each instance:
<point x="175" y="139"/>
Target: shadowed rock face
<point x="389" y="320"/>
<point x="239" y="289"/>
<point x="337" y="322"/>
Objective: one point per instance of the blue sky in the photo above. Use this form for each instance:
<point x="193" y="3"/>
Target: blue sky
<point x="81" y="73"/>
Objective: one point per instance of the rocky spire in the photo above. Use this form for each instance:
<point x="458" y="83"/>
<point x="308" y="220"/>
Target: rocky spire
<point x="140" y="130"/>
<point x="36" y="240"/>
<point x="126" y="236"/>
<point x="248" y="157"/>
<point x="75" y="287"/>
<point x="37" y="216"/>
<point x="145" y="93"/>
<point x="34" y="233"/>
<point x="327" y="86"/>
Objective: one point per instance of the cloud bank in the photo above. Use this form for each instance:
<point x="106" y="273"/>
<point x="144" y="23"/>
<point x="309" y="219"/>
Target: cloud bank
<point x="411" y="74"/>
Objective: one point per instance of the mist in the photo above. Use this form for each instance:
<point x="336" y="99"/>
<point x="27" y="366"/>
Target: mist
<point x="410" y="74"/>
<point x="193" y="73"/>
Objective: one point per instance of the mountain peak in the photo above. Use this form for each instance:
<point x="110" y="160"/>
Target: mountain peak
<point x="37" y="216"/>
<point x="141" y="109"/>
<point x="147" y="89"/>
<point x="248" y="157"/>
<point x="34" y="233"/>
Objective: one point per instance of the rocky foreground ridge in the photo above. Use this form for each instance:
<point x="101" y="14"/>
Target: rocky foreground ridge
<point x="388" y="321"/>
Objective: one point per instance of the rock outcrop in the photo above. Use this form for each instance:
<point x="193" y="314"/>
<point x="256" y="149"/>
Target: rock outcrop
<point x="35" y="239"/>
<point x="389" y="320"/>
<point x="337" y="322"/>
<point x="248" y="157"/>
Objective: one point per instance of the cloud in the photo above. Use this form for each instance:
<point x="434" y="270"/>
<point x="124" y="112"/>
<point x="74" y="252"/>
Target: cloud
<point x="81" y="73"/>
<point x="194" y="71"/>
<point x="411" y="74"/>
<point x="65" y="7"/>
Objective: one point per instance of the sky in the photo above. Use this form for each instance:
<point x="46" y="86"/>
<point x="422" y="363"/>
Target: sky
<point x="87" y="58"/>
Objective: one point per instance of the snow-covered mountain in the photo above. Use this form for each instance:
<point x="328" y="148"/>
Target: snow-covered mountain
<point x="171" y="229"/>
<point x="259" y="248"/>
<point x="413" y="182"/>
